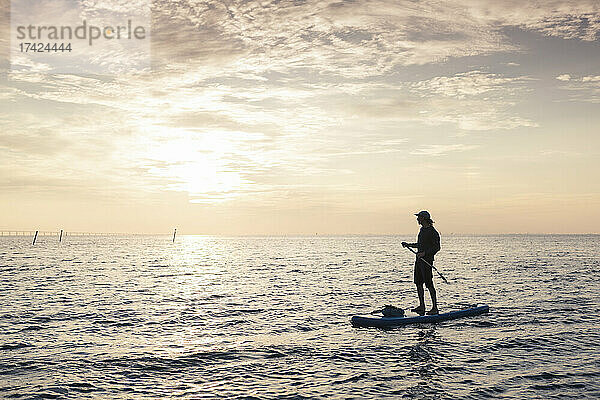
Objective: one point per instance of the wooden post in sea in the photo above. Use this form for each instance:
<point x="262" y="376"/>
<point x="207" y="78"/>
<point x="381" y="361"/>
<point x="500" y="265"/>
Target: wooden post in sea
<point x="60" y="237"/>
<point x="34" y="238"/>
<point x="174" y="233"/>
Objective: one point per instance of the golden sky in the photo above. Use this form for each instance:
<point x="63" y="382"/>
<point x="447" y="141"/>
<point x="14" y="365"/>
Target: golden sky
<point x="316" y="116"/>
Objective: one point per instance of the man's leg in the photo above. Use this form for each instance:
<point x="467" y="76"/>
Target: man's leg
<point x="428" y="275"/>
<point x="421" y="294"/>
<point x="433" y="295"/>
<point x="419" y="282"/>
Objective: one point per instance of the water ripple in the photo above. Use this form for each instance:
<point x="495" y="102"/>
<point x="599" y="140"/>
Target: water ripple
<point x="267" y="318"/>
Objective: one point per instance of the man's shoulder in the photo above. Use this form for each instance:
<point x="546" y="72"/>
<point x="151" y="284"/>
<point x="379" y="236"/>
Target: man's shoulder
<point x="432" y="230"/>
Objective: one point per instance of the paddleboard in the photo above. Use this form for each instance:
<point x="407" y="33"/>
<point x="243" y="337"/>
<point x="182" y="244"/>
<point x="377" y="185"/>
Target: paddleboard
<point x="390" y="322"/>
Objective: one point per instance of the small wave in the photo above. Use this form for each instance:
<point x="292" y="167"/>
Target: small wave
<point x="525" y="343"/>
<point x="82" y="387"/>
<point x="559" y="386"/>
<point x="113" y="323"/>
<point x="474" y="360"/>
<point x="151" y="363"/>
<point x="347" y="356"/>
<point x="175" y="275"/>
<point x="585" y="374"/>
<point x="14" y="346"/>
<point x="197" y="359"/>
<point x="491" y="392"/>
<point x="274" y="354"/>
<point x="451" y="369"/>
<point x="234" y="322"/>
<point x="235" y="312"/>
<point x="354" y="378"/>
<point x="61" y="317"/>
<point x="33" y="328"/>
<point x="215" y="296"/>
<point x="480" y="324"/>
<point x="56" y="392"/>
<point x="249" y="310"/>
<point x="306" y="328"/>
<point x="120" y="323"/>
<point x="10" y="368"/>
<point x="544" y="376"/>
<point x="418" y="353"/>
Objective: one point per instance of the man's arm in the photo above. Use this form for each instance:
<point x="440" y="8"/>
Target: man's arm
<point x="404" y="244"/>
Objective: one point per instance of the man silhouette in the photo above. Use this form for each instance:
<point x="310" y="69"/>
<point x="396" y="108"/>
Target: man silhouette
<point x="428" y="244"/>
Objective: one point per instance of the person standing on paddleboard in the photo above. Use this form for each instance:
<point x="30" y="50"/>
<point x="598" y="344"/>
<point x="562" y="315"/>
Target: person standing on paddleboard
<point x="428" y="244"/>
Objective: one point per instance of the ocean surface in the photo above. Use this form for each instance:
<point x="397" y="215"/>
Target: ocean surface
<point x="139" y="317"/>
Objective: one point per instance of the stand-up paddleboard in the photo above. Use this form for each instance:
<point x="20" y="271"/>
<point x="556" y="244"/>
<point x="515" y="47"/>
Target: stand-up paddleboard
<point x="390" y="322"/>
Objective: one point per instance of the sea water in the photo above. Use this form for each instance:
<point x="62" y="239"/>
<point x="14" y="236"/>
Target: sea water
<point x="140" y="317"/>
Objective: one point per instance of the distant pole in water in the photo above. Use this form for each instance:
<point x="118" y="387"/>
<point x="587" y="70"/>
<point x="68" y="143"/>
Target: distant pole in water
<point x="34" y="238"/>
<point x="174" y="233"/>
<point x="60" y="237"/>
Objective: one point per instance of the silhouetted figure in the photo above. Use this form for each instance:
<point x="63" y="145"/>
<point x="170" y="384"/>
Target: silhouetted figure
<point x="428" y="244"/>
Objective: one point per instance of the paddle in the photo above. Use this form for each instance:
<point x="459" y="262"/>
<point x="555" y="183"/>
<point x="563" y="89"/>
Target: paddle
<point x="425" y="261"/>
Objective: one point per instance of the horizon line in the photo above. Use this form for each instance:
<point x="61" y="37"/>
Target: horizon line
<point x="28" y="232"/>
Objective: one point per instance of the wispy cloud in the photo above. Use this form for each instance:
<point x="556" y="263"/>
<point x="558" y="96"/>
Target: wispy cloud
<point x="357" y="39"/>
<point x="437" y="150"/>
<point x="351" y="39"/>
<point x="470" y="84"/>
<point x="569" y="19"/>
<point x="473" y="101"/>
<point x="583" y="88"/>
<point x="244" y="91"/>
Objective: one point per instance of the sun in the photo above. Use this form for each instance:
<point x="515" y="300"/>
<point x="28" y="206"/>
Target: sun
<point x="196" y="163"/>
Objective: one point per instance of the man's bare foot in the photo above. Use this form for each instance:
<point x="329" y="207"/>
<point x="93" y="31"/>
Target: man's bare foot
<point x="433" y="311"/>
<point x="419" y="309"/>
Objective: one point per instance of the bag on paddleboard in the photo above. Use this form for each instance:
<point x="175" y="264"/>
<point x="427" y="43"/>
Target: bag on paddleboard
<point x="391" y="311"/>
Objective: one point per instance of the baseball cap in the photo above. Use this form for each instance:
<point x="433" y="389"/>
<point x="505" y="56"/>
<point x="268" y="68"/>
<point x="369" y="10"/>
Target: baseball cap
<point x="424" y="214"/>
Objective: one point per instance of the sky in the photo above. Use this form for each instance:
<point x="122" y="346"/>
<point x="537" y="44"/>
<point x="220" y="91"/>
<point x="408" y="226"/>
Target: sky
<point x="316" y="117"/>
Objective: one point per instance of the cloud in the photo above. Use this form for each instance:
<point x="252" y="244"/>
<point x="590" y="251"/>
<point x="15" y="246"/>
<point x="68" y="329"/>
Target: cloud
<point x="354" y="39"/>
<point x="571" y="19"/>
<point x="442" y="149"/>
<point x="284" y="87"/>
<point x="472" y="100"/>
<point x="570" y="26"/>
<point x="475" y="100"/>
<point x="217" y="141"/>
<point x="583" y="89"/>
<point x="469" y="84"/>
<point x="342" y="38"/>
<point x="560" y="153"/>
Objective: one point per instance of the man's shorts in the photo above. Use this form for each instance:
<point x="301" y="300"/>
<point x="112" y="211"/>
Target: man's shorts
<point x="423" y="274"/>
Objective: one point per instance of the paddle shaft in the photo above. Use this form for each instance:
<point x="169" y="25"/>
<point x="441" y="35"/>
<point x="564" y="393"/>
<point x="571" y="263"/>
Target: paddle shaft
<point x="425" y="261"/>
